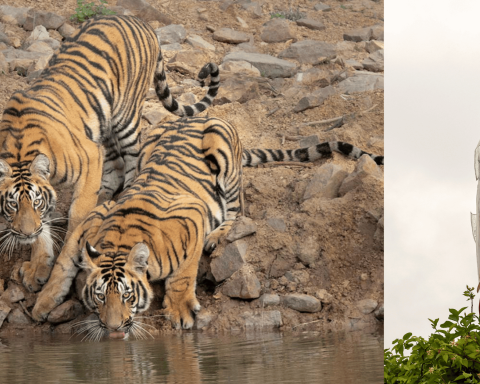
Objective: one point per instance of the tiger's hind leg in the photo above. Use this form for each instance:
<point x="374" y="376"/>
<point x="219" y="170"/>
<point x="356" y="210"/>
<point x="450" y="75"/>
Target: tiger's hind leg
<point x="223" y="151"/>
<point x="113" y="176"/>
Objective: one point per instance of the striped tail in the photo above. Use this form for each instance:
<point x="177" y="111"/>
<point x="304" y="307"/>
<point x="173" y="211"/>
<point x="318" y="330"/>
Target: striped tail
<point x="252" y="157"/>
<point x="172" y="105"/>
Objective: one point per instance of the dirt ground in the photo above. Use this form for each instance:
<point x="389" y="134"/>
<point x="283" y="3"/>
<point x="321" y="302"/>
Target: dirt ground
<point x="350" y="260"/>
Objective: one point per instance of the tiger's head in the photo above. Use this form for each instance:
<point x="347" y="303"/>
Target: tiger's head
<point x="26" y="199"/>
<point x="116" y="288"/>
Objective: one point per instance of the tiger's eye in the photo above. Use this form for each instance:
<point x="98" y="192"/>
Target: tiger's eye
<point x="100" y="296"/>
<point x="126" y="294"/>
<point x="13" y="204"/>
<point x="36" y="202"/>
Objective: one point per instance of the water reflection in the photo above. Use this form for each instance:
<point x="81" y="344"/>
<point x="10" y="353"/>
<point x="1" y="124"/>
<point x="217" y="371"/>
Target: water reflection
<point x="196" y="358"/>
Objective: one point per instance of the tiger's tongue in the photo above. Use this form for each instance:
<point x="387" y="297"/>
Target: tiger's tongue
<point x="116" y="335"/>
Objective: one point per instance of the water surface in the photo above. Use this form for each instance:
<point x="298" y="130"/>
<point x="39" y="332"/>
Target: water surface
<point x="262" y="358"/>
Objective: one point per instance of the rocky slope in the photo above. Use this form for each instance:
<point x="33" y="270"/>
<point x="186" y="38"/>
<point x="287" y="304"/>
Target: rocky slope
<point x="309" y="253"/>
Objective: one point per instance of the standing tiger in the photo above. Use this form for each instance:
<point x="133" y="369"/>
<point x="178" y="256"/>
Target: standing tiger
<point x="76" y="124"/>
<point x="185" y="196"/>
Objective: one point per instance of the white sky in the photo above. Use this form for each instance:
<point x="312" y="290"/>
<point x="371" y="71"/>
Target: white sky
<point x="432" y="126"/>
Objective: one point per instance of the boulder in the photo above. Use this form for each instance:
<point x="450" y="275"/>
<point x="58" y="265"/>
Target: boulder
<point x="239" y="67"/>
<point x="171" y="34"/>
<point x="230" y="261"/>
<point x="144" y="11"/>
<point x="4" y="311"/>
<point x="314" y="99"/>
<point x="67" y="311"/>
<point x="358" y="34"/>
<point x="237" y="90"/>
<point x="49" y="20"/>
<point x="13" y="15"/>
<point x="311" y="24"/>
<point x="364" y="168"/>
<point x="308" y="251"/>
<point x="302" y="303"/>
<point x="367" y="306"/>
<point x="326" y="182"/>
<point x="188" y="62"/>
<point x="243" y="284"/>
<point x="263" y="319"/>
<point x="361" y="81"/>
<point x="17" y="316"/>
<point x="309" y="51"/>
<point x="375" y="61"/>
<point x="268" y="299"/>
<point x="242" y="227"/>
<point x="198" y="42"/>
<point x="227" y="35"/>
<point x="277" y="31"/>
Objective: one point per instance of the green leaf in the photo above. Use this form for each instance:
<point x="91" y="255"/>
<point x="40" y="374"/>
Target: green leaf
<point x="407" y="335"/>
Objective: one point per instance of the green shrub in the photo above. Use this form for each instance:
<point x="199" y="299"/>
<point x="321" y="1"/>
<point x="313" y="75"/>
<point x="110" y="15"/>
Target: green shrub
<point x="85" y="11"/>
<point x="450" y="355"/>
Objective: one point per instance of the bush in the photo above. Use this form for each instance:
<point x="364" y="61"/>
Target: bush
<point x="85" y="11"/>
<point x="450" y="355"/>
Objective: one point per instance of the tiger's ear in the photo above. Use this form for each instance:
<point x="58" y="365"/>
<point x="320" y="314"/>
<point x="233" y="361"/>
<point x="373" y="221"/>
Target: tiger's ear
<point x="86" y="256"/>
<point x="40" y="166"/>
<point x="5" y="169"/>
<point x="138" y="258"/>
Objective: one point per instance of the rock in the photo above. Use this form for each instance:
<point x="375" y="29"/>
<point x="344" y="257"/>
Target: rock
<point x="242" y="22"/>
<point x="314" y="76"/>
<point x="311" y="24"/>
<point x="155" y="116"/>
<point x="49" y="20"/>
<point x="302" y="303"/>
<point x="226" y="4"/>
<point x="245" y="47"/>
<point x="243" y="284"/>
<point x="379" y="312"/>
<point x="237" y="90"/>
<point x="314" y="99"/>
<point x="198" y="42"/>
<point x="203" y="319"/>
<point x="187" y="98"/>
<point x="232" y="259"/>
<point x="326" y="182"/>
<point x="354" y="64"/>
<point x="4" y="38"/>
<point x="171" y="34"/>
<point x="19" y="60"/>
<point x="364" y="168"/>
<point x="188" y="62"/>
<point x="374" y="45"/>
<point x="4" y="69"/>
<point x="277" y="31"/>
<point x="374" y="62"/>
<point x="4" y="311"/>
<point x="227" y="35"/>
<point x="267" y="300"/>
<point x="255" y="9"/>
<point x="172" y="47"/>
<point x="299" y="276"/>
<point x="322" y="7"/>
<point x="359" y="34"/>
<point x="242" y="227"/>
<point x="367" y="306"/>
<point x="377" y="32"/>
<point x="378" y="235"/>
<point x="361" y="81"/>
<point x="38" y="33"/>
<point x="18" y="317"/>
<point x="41" y="47"/>
<point x="239" y="67"/>
<point x="324" y="296"/>
<point x="67" y="311"/>
<point x="277" y="224"/>
<point x="66" y="30"/>
<point x="268" y="66"/>
<point x="308" y="251"/>
<point x="13" y="15"/>
<point x="309" y="141"/>
<point x="264" y="319"/>
<point x="309" y="51"/>
<point x="3" y="46"/>
<point x="144" y="11"/>
<point x="13" y="294"/>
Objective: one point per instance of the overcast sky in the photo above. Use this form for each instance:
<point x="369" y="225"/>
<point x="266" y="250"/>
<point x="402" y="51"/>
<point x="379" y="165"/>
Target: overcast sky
<point x="432" y="126"/>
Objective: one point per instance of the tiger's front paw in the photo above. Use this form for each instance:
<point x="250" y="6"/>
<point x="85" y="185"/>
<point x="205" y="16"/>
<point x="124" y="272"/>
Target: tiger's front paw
<point x="44" y="305"/>
<point x="181" y="312"/>
<point x="34" y="275"/>
<point x="212" y="241"/>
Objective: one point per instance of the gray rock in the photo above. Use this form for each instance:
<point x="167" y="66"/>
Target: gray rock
<point x="155" y="116"/>
<point x="268" y="66"/>
<point x="228" y="35"/>
<point x="359" y="34"/>
<point x="255" y="9"/>
<point x="277" y="31"/>
<point x="322" y="7"/>
<point x="379" y="312"/>
<point x="242" y="227"/>
<point x="67" y="311"/>
<point x="318" y="77"/>
<point x="302" y="303"/>
<point x="314" y="99"/>
<point x="49" y="20"/>
<point x="308" y="251"/>
<point x="243" y="284"/>
<point x="246" y="47"/>
<point x="324" y="296"/>
<point x="4" y="38"/>
<point x="277" y="224"/>
<point x="375" y="61"/>
<point x="263" y="319"/>
<point x="4" y="311"/>
<point x="188" y="62"/>
<point x="225" y="4"/>
<point x="203" y="319"/>
<point x="364" y="168"/>
<point x="239" y="67"/>
<point x="367" y="306"/>
<point x="238" y="90"/>
<point x="18" y="317"/>
<point x="18" y="15"/>
<point x="187" y="98"/>
<point x="353" y="63"/>
<point x="374" y="45"/>
<point x="13" y="294"/>
<point x="144" y="11"/>
<point x="232" y="259"/>
<point x="309" y="141"/>
<point x="311" y="24"/>
<point x="268" y="299"/>
<point x="377" y="32"/>
<point x="362" y="81"/>
<point x="172" y="47"/>
<point x="198" y="42"/>
<point x="171" y="34"/>
<point x="66" y="30"/>
<point x="309" y="51"/>
<point x="326" y="182"/>
<point x="19" y="60"/>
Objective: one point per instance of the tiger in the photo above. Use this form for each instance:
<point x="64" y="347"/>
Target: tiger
<point x="184" y="199"/>
<point x="78" y="126"/>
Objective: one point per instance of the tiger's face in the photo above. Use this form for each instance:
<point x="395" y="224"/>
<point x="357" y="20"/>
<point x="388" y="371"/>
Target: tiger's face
<point x="117" y="288"/>
<point x="26" y="199"/>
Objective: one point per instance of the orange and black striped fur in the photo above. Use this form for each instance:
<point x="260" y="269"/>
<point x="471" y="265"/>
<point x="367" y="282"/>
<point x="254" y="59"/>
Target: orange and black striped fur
<point x="76" y="124"/>
<point x="185" y="196"/>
